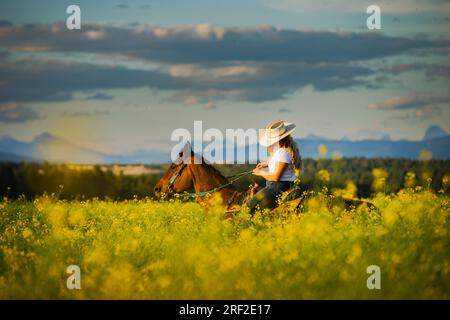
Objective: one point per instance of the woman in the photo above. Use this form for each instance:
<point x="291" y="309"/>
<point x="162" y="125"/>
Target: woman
<point x="283" y="163"/>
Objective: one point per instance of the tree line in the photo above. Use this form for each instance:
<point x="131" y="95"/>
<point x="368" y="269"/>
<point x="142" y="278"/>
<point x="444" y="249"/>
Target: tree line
<point x="34" y="179"/>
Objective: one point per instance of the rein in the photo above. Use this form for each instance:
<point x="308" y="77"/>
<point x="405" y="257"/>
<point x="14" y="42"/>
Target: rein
<point x="205" y="193"/>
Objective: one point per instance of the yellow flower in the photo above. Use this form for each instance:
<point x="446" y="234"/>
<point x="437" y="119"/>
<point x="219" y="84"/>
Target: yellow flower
<point x="26" y="233"/>
<point x="142" y="249"/>
<point x="425" y="155"/>
<point x="324" y="175"/>
<point x="164" y="281"/>
<point x="344" y="275"/>
<point x="354" y="254"/>
<point x="349" y="192"/>
<point x="390" y="216"/>
<point x="446" y="180"/>
<point x="410" y="179"/>
<point x="76" y="217"/>
<point x="322" y="150"/>
<point x="396" y="259"/>
<point x="379" y="179"/>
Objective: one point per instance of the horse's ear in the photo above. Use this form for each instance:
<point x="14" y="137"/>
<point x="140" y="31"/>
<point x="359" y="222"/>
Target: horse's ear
<point x="187" y="146"/>
<point x="186" y="153"/>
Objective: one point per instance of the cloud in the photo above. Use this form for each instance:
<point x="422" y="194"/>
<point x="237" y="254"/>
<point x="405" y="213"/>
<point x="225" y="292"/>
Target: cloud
<point x="421" y="113"/>
<point x="284" y="110"/>
<point x="209" y="105"/>
<point x="404" y="6"/>
<point x="195" y="63"/>
<point x="100" y="96"/>
<point x="418" y="107"/>
<point x="13" y="112"/>
<point x="4" y="55"/>
<point x="193" y="71"/>
<point x="31" y="80"/>
<point x="206" y="43"/>
<point x="430" y="70"/>
<point x="94" y="34"/>
<point x="427" y="111"/>
<point x="122" y="6"/>
<point x="410" y="102"/>
<point x="5" y="23"/>
<point x="84" y="114"/>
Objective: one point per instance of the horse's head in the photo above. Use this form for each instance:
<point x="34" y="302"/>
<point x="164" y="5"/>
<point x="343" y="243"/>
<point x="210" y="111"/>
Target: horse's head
<point x="178" y="178"/>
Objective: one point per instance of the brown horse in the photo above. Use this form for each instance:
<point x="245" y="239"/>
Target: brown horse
<point x="189" y="176"/>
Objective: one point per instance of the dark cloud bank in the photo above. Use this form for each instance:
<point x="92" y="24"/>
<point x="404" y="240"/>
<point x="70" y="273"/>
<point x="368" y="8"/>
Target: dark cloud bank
<point x="205" y="61"/>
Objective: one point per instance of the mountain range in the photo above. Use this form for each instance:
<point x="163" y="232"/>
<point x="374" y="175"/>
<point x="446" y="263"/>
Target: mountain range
<point x="47" y="147"/>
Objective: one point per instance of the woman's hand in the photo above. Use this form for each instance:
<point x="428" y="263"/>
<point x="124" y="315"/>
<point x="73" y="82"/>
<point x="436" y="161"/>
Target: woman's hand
<point x="275" y="176"/>
<point x="262" y="165"/>
<point x="257" y="171"/>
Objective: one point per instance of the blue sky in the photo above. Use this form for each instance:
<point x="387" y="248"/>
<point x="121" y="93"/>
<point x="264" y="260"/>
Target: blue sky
<point x="139" y="69"/>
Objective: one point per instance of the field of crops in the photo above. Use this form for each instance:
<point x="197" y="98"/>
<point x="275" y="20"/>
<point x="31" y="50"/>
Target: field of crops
<point x="172" y="250"/>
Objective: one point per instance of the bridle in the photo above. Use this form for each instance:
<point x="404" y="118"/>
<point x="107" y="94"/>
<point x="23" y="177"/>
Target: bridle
<point x="174" y="178"/>
<point x="177" y="174"/>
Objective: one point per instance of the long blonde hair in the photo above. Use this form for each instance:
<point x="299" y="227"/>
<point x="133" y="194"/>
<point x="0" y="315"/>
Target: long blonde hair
<point x="289" y="143"/>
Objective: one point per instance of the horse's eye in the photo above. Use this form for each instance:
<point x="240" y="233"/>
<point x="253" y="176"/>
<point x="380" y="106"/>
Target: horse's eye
<point x="180" y="154"/>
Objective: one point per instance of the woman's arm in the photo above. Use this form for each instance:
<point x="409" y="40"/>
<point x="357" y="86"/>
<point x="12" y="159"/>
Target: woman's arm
<point x="275" y="176"/>
<point x="262" y="165"/>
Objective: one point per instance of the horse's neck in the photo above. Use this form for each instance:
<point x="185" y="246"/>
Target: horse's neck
<point x="206" y="179"/>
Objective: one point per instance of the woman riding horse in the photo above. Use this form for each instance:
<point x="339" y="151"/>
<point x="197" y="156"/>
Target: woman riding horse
<point x="282" y="166"/>
<point x="202" y="179"/>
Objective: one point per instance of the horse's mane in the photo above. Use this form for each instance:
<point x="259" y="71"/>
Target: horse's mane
<point x="213" y="170"/>
<point x="216" y="171"/>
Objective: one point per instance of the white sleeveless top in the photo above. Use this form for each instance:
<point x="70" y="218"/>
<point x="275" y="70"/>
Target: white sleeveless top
<point x="282" y="155"/>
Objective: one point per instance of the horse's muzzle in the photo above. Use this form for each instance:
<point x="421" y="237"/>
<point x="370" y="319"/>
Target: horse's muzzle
<point x="157" y="191"/>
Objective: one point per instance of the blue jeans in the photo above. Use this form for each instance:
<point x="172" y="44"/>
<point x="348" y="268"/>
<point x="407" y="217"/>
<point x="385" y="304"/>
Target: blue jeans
<point x="267" y="197"/>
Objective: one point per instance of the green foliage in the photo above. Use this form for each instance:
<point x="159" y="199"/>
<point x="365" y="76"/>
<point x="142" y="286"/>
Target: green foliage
<point x="67" y="182"/>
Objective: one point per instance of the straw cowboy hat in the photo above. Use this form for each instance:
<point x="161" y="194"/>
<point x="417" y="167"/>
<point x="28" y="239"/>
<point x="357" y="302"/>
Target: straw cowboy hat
<point x="274" y="132"/>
